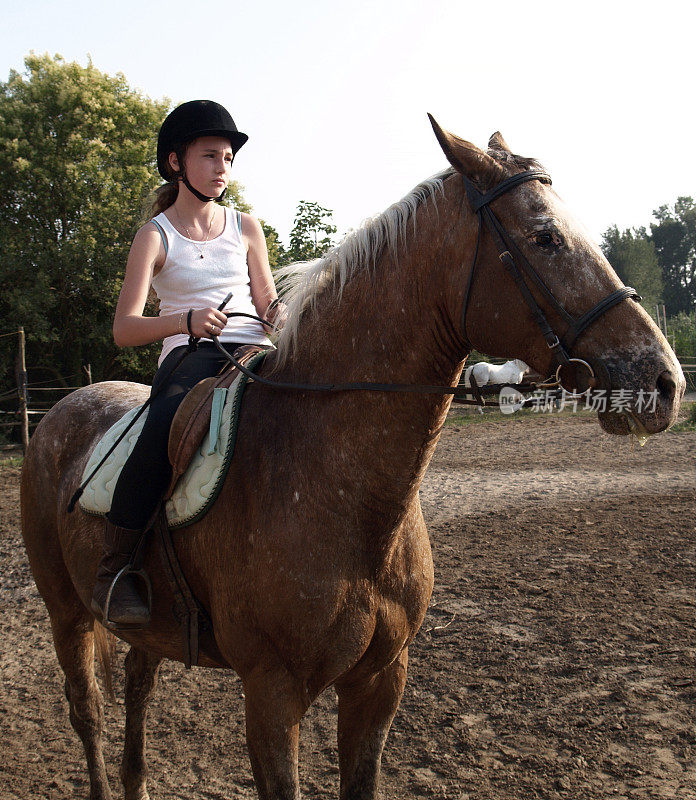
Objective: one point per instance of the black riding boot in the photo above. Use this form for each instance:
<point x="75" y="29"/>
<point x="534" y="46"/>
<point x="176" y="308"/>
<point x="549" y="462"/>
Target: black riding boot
<point x="125" y="607"/>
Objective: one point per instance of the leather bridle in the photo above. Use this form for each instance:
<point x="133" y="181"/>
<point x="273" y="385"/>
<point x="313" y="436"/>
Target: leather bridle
<point x="508" y="252"/>
<point x="510" y="256"/>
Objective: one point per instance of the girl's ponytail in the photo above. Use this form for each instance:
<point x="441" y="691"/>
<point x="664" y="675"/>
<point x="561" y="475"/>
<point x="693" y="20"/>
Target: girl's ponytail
<point x="165" y="196"/>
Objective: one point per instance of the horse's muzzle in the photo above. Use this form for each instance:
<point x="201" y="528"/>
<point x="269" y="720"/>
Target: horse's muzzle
<point x="643" y="396"/>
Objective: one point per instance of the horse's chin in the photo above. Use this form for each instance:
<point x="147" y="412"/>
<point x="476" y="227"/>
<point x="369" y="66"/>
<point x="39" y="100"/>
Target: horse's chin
<point x="640" y="425"/>
<point x="616" y="424"/>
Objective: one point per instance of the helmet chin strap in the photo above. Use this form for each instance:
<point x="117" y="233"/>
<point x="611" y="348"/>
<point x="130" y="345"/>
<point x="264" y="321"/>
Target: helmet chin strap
<point x="203" y="197"/>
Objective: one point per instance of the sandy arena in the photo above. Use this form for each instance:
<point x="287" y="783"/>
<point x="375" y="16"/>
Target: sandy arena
<point x="556" y="659"/>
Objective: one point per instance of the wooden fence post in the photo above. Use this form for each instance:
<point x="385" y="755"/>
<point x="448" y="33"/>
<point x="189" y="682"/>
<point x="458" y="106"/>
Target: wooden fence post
<point x="22" y="391"/>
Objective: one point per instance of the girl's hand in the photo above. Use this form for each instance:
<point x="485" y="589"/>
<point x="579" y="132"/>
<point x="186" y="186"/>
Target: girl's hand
<point x="207" y="322"/>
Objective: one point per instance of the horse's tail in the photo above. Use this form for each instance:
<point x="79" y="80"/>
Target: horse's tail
<point x="467" y="375"/>
<point x="105" y="649"/>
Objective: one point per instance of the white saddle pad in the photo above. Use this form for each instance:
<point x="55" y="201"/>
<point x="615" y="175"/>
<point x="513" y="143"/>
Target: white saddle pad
<point x="201" y="483"/>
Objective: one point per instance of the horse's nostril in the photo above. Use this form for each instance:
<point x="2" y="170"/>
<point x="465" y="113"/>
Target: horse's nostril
<point x="666" y="385"/>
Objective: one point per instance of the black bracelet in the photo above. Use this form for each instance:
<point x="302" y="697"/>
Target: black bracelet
<point x="188" y="320"/>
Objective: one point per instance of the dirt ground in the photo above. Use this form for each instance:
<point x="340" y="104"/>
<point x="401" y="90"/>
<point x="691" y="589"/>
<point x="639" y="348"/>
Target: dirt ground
<point x="556" y="660"/>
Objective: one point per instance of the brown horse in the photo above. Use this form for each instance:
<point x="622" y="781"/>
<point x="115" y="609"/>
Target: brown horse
<point x="314" y="563"/>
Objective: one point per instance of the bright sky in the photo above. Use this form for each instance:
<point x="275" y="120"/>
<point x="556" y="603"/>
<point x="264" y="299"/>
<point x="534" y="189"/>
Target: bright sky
<point x="334" y="94"/>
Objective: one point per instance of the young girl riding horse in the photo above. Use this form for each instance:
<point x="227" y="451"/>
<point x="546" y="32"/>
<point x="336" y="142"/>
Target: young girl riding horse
<point x="193" y="253"/>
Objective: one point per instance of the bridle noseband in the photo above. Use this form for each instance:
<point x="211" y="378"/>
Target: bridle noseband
<point x="510" y="256"/>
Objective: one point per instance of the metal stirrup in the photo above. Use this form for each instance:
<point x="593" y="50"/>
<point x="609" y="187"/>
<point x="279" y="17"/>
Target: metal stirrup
<point x="127" y="570"/>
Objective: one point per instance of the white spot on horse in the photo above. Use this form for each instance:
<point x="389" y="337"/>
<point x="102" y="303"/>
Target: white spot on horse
<point x="297" y="496"/>
<point x="341" y="493"/>
<point x="542" y="222"/>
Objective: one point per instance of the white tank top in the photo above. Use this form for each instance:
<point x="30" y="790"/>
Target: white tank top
<point x="188" y="281"/>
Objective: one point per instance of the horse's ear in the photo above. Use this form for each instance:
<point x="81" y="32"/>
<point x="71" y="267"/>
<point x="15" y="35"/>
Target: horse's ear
<point x="496" y="142"/>
<point x="466" y="157"/>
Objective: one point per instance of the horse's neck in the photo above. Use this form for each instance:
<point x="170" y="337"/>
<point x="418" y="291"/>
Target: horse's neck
<point x="390" y="326"/>
<point x="391" y="323"/>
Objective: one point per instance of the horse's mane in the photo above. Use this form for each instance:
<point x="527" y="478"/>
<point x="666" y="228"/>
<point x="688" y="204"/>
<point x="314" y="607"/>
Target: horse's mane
<point x="302" y="283"/>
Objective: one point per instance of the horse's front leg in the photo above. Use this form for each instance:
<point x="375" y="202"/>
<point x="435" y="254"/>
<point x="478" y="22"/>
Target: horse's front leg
<point x="366" y="708"/>
<point x="141" y="682"/>
<point x="274" y="707"/>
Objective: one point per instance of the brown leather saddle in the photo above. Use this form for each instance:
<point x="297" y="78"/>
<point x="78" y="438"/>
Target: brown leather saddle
<point x="191" y="421"/>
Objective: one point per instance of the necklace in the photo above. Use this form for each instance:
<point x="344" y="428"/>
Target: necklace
<point x="195" y="241"/>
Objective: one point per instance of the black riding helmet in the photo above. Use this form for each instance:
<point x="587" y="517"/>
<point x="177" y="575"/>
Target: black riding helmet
<point x="189" y="121"/>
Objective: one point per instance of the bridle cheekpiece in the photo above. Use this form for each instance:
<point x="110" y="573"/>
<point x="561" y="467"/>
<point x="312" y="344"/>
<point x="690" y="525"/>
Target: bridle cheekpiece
<point x="516" y="263"/>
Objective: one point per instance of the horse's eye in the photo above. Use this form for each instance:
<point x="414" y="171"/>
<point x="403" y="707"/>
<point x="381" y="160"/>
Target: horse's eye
<point x="547" y="239"/>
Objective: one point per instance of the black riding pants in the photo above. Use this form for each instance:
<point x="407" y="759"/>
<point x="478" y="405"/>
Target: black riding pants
<point x="147" y="472"/>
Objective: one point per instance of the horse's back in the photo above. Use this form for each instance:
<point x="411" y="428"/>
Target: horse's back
<point x="75" y="424"/>
<point x="56" y="457"/>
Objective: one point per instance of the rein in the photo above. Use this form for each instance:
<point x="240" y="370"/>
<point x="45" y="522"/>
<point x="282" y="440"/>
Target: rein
<point x="507" y="252"/>
<point x="364" y="386"/>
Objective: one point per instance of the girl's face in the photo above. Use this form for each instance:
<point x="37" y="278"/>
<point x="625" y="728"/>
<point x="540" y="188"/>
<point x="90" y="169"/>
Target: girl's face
<point x="208" y="162"/>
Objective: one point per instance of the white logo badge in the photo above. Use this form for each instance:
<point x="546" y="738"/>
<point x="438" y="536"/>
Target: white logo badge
<point x="510" y="400"/>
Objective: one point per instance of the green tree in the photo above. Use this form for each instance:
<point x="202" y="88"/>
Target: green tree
<point x="234" y="198"/>
<point x="277" y="255"/>
<point x="632" y="254"/>
<point x="77" y="152"/>
<point x="674" y="237"/>
<point x="311" y="233"/>
<point x="682" y="328"/>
